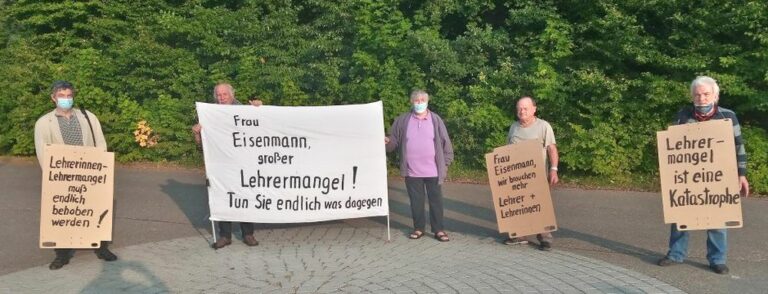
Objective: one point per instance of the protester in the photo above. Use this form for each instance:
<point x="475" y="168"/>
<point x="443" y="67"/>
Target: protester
<point x="529" y="127"/>
<point x="425" y="152"/>
<point x="224" y="94"/>
<point x="705" y="95"/>
<point x="65" y="125"/>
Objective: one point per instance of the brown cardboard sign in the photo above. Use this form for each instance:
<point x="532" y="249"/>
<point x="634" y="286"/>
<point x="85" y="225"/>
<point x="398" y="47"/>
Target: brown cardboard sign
<point x="520" y="189"/>
<point x="76" y="200"/>
<point x="699" y="176"/>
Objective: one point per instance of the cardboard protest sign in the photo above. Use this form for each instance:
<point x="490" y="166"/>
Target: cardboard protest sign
<point x="699" y="176"/>
<point x="520" y="189"/>
<point x="76" y="200"/>
<point x="273" y="164"/>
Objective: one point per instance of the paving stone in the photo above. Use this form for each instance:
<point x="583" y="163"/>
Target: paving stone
<point x="334" y="258"/>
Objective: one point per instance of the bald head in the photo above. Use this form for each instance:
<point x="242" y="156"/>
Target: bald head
<point x="526" y="110"/>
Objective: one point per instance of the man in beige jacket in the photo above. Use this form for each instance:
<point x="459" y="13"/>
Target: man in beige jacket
<point x="64" y="125"/>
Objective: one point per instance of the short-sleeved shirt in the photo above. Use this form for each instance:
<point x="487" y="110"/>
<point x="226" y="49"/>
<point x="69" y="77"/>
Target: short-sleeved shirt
<point x="539" y="130"/>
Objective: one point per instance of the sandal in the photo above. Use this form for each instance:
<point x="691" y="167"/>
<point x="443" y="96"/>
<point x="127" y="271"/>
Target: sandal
<point x="416" y="234"/>
<point x="442" y="236"/>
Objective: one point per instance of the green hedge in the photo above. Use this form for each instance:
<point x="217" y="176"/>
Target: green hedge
<point x="607" y="74"/>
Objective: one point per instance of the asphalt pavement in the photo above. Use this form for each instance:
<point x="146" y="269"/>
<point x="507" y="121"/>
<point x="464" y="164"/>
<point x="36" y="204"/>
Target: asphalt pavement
<point x="607" y="242"/>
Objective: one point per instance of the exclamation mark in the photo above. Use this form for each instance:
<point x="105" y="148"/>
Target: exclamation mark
<point x="101" y="218"/>
<point x="354" y="176"/>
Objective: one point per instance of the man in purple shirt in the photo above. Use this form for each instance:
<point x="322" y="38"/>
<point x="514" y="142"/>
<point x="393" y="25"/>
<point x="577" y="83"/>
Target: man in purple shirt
<point x="425" y="153"/>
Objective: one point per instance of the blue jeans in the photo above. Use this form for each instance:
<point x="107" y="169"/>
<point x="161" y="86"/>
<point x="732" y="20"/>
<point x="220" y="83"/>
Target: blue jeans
<point x="717" y="245"/>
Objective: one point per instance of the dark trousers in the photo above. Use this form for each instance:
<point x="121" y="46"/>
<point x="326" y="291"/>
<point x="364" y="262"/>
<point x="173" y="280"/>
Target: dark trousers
<point x="225" y="229"/>
<point x="539" y="237"/>
<point x="67" y="253"/>
<point x="418" y="188"/>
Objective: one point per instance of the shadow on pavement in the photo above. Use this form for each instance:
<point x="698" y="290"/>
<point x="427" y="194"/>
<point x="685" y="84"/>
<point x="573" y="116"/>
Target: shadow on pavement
<point x="451" y="224"/>
<point x="128" y="276"/>
<point x="192" y="199"/>
<point x="645" y="255"/>
<point x="487" y="214"/>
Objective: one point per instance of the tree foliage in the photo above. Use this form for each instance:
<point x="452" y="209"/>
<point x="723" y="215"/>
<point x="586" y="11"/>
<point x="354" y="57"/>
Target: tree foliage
<point x="607" y="74"/>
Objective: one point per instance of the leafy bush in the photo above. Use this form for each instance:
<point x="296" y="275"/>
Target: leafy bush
<point x="606" y="74"/>
<point x="757" y="152"/>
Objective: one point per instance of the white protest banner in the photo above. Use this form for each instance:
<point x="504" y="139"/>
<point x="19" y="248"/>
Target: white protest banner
<point x="273" y="164"/>
<point x="76" y="200"/>
<point x="699" y="176"/>
<point x="520" y="190"/>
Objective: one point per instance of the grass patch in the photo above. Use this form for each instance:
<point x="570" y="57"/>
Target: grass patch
<point x="644" y="183"/>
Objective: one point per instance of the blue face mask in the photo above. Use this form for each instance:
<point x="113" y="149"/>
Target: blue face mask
<point x="65" y="103"/>
<point x="420" y="107"/>
<point x="704" y="109"/>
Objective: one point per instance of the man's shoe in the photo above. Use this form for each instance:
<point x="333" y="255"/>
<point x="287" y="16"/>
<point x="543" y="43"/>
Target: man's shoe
<point x="105" y="254"/>
<point x="545" y="246"/>
<point x="58" y="263"/>
<point x="221" y="243"/>
<point x="250" y="240"/>
<point x="515" y="241"/>
<point x="719" y="268"/>
<point x="666" y="262"/>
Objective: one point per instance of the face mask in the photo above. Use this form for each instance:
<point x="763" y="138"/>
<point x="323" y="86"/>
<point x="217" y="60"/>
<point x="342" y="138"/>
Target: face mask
<point x="420" y="107"/>
<point x="65" y="103"/>
<point x="704" y="109"/>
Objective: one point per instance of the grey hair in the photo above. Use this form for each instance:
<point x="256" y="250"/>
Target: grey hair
<point x="707" y="81"/>
<point x="228" y="86"/>
<point x="416" y="93"/>
<point x="61" y="85"/>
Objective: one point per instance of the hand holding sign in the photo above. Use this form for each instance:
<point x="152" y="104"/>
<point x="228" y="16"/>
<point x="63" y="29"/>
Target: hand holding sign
<point x="744" y="186"/>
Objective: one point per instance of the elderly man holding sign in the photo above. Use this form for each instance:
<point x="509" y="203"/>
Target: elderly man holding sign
<point x="529" y="127"/>
<point x="224" y="93"/>
<point x="705" y="94"/>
